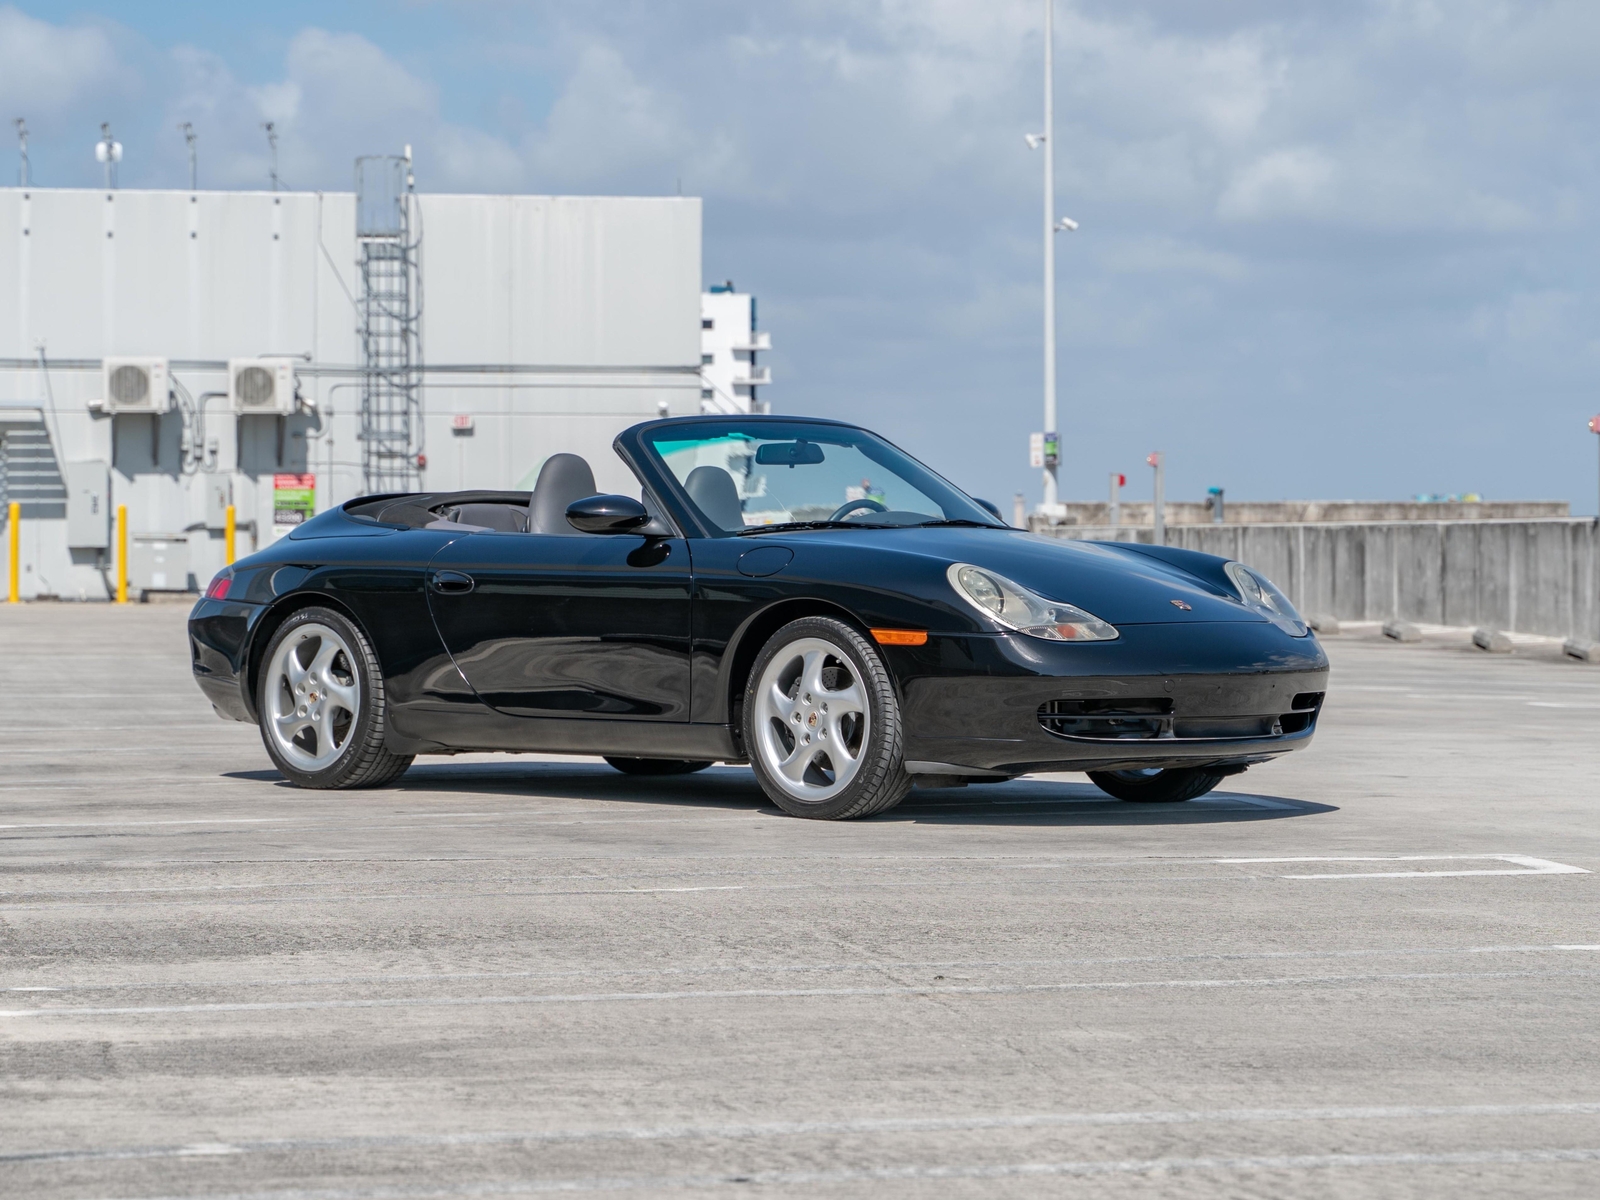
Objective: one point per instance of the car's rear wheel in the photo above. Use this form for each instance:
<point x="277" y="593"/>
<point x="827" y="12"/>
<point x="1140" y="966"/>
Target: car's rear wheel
<point x="656" y="766"/>
<point x="822" y="723"/>
<point x="1156" y="786"/>
<point x="322" y="704"/>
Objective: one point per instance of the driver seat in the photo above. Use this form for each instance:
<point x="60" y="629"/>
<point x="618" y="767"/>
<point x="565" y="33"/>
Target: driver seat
<point x="717" y="495"/>
<point x="563" y="479"/>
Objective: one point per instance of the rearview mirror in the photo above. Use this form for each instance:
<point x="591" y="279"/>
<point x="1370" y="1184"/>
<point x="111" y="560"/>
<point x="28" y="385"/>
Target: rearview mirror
<point x="990" y="507"/>
<point x="607" y="514"/>
<point x="788" y="454"/>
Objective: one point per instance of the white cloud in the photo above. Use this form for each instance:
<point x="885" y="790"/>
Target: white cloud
<point x="1294" y="182"/>
<point x="47" y="69"/>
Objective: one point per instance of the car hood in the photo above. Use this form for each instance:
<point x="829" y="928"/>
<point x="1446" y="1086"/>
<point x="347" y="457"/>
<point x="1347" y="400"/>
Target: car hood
<point x="1117" y="585"/>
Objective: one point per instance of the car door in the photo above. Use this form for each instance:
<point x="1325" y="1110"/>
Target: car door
<point x="558" y="626"/>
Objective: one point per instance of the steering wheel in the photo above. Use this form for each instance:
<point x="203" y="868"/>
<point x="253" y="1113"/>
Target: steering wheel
<point x="849" y="506"/>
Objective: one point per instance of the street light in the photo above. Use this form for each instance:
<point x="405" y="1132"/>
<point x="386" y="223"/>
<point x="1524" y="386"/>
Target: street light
<point x="1052" y="226"/>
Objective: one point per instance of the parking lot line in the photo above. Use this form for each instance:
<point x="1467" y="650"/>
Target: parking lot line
<point x="787" y="1129"/>
<point x="999" y="989"/>
<point x="1524" y="865"/>
<point x="1133" y="1166"/>
<point x="793" y="968"/>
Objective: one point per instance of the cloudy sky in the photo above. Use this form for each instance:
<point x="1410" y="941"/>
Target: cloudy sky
<point x="1328" y="250"/>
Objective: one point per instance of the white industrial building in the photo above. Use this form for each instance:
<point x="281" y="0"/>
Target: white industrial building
<point x="729" y="344"/>
<point x="540" y="324"/>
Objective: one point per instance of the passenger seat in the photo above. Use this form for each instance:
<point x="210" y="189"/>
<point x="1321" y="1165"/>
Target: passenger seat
<point x="563" y="479"/>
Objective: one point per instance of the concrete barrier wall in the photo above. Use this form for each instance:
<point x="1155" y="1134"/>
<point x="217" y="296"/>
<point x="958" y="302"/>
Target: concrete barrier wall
<point x="1521" y="576"/>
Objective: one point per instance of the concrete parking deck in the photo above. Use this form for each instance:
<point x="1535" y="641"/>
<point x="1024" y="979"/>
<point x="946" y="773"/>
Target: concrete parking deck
<point x="1369" y="970"/>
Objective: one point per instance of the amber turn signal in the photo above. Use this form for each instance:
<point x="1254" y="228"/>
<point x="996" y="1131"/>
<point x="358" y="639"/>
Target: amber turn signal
<point x="900" y="637"/>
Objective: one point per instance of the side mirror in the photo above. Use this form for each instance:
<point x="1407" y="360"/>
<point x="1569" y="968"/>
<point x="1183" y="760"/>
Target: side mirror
<point x="991" y="508"/>
<point x="607" y="514"/>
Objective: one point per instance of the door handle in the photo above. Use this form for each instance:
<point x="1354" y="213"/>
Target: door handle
<point x="452" y="583"/>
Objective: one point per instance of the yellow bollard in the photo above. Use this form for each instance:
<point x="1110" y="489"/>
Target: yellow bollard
<point x="228" y="526"/>
<point x="14" y="525"/>
<point x="122" y="554"/>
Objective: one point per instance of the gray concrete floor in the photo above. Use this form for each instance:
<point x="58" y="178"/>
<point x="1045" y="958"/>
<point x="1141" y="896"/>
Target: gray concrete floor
<point x="506" y="976"/>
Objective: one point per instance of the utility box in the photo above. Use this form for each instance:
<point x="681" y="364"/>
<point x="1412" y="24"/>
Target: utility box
<point x="88" y="505"/>
<point x="159" y="562"/>
<point x="219" y="495"/>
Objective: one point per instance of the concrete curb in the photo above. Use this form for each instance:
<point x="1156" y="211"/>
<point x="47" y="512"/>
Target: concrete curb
<point x="1583" y="651"/>
<point x="1491" y="640"/>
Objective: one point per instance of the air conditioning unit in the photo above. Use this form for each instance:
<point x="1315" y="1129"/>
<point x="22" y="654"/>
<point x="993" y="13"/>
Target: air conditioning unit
<point x="135" y="385"/>
<point x="261" y="386"/>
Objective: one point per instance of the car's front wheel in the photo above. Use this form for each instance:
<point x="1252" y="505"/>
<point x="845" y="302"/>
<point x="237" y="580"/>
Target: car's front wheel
<point x="1156" y="786"/>
<point x="822" y="723"/>
<point x="322" y="705"/>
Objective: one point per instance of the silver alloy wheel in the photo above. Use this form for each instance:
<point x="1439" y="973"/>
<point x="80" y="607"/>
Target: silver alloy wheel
<point x="312" y="697"/>
<point x="813" y="722"/>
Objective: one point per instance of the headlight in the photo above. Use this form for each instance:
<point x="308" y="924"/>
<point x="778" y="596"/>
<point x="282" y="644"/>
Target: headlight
<point x="1257" y="592"/>
<point x="1015" y="607"/>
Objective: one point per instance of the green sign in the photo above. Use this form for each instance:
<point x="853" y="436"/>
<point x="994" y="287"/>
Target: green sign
<point x="294" y="501"/>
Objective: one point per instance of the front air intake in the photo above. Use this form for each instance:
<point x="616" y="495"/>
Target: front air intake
<point x="1112" y="720"/>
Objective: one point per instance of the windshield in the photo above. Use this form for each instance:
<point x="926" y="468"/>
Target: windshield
<point x="747" y="476"/>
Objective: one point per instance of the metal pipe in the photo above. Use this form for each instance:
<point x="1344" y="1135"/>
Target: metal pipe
<point x="122" y="554"/>
<point x="14" y="536"/>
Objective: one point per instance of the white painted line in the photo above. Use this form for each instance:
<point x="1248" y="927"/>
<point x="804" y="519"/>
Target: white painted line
<point x="1524" y="865"/>
<point x="1127" y="1166"/>
<point x="780" y="1129"/>
<point x="875" y="966"/>
<point x="1000" y="989"/>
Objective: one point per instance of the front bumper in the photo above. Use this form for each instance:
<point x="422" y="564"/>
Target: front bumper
<point x="1160" y="696"/>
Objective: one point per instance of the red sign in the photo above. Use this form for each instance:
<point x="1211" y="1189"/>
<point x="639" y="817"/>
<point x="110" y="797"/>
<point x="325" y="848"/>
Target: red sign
<point x="1594" y="424"/>
<point x="1122" y="481"/>
<point x="1154" y="459"/>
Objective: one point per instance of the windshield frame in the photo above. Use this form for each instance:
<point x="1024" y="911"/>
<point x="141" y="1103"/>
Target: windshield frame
<point x="636" y="446"/>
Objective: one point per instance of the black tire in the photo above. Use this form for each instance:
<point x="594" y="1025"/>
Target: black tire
<point x="656" y="766"/>
<point x="878" y="779"/>
<point x="1163" y="787"/>
<point x="361" y="759"/>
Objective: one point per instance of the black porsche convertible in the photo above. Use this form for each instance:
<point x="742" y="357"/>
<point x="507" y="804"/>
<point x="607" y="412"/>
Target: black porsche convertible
<point x="797" y="594"/>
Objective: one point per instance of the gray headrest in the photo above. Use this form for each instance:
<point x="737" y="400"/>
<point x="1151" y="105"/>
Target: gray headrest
<point x="717" y="495"/>
<point x="563" y="479"/>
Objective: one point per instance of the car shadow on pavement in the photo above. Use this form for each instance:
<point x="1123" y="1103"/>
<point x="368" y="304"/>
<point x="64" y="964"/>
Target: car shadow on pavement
<point x="1025" y="801"/>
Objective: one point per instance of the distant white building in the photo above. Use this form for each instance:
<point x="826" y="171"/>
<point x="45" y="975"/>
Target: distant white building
<point x="729" y="343"/>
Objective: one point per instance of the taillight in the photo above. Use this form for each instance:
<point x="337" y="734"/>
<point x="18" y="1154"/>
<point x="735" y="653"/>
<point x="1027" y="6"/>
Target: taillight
<point x="219" y="587"/>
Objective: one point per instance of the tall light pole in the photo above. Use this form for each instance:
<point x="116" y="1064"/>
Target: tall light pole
<point x="1052" y="226"/>
<point x="190" y="137"/>
<point x="23" y="174"/>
